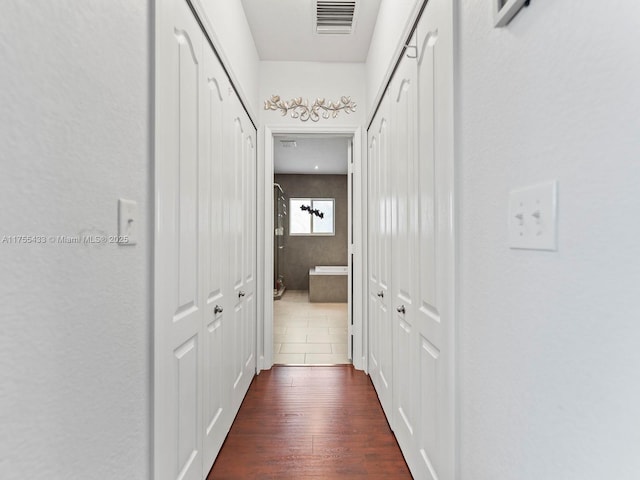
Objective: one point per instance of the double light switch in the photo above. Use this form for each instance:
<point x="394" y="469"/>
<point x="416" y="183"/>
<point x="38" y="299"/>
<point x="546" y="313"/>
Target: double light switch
<point x="533" y="217"/>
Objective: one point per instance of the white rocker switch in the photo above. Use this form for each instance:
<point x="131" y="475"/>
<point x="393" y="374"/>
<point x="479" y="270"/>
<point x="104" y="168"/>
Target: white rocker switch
<point x="127" y="222"/>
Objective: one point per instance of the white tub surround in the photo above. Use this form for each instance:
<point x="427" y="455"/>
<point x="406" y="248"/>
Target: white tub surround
<point x="328" y="284"/>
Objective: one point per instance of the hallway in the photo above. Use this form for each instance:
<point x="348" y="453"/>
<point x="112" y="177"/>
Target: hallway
<point x="138" y="142"/>
<point x="310" y="422"/>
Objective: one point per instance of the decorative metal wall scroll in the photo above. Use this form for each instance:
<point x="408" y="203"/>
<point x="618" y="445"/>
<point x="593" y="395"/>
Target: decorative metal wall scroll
<point x="312" y="211"/>
<point x="301" y="109"/>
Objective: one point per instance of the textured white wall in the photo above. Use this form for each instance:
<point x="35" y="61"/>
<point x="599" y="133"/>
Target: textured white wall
<point x="549" y="341"/>
<point x="76" y="322"/>
<point x="311" y="80"/>
<point x="393" y="25"/>
<point x="227" y="24"/>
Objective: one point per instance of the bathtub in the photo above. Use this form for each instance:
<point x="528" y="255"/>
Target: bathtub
<point x="328" y="284"/>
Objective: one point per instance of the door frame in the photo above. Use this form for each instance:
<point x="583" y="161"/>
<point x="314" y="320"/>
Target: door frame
<point x="265" y="228"/>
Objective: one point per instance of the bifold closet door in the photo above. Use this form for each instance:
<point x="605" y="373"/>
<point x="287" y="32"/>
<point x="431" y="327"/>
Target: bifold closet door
<point x="241" y="221"/>
<point x="379" y="224"/>
<point x="249" y="266"/>
<point x="420" y="198"/>
<point x="214" y="107"/>
<point x="404" y="120"/>
<point x="434" y="328"/>
<point x="205" y="249"/>
<point x="179" y="304"/>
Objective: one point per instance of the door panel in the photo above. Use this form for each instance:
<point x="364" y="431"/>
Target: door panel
<point x="249" y="256"/>
<point x="185" y="375"/>
<point x="434" y="322"/>
<point x="236" y="225"/>
<point x="179" y="305"/>
<point x="380" y="330"/>
<point x="215" y="406"/>
<point x="429" y="321"/>
<point x="242" y="221"/>
<point x="404" y="123"/>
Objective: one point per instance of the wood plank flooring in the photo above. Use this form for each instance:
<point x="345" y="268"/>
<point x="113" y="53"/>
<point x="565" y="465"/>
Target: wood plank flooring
<point x="310" y="423"/>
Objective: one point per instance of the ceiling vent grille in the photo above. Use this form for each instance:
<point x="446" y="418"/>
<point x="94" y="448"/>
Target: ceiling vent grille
<point x="333" y="16"/>
<point x="288" y="143"/>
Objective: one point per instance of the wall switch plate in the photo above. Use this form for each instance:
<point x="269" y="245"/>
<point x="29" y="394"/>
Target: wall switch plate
<point x="127" y="222"/>
<point x="533" y="217"/>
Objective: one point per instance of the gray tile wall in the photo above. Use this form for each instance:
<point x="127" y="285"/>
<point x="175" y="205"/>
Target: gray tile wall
<point x="302" y="253"/>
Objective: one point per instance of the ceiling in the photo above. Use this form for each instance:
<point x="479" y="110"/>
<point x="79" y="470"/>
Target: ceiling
<point x="284" y="30"/>
<point x="328" y="154"/>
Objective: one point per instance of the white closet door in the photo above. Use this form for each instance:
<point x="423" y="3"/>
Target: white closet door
<point x="241" y="220"/>
<point x="380" y="329"/>
<point x="435" y="293"/>
<point x="404" y="114"/>
<point x="178" y="291"/>
<point x="214" y="102"/>
<point x="249" y="241"/>
<point x="235" y="222"/>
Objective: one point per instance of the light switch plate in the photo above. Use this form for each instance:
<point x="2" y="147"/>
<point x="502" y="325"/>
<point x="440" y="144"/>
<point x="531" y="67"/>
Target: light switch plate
<point x="127" y="222"/>
<point x="533" y="217"/>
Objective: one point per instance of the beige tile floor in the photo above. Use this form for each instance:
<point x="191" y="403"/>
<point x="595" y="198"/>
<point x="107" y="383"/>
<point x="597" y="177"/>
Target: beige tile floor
<point x="309" y="333"/>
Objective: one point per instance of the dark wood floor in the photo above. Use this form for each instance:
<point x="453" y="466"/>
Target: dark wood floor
<point x="310" y="423"/>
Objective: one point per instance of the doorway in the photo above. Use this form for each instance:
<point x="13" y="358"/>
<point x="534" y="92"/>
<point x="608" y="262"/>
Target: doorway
<point x="316" y="317"/>
<point x="311" y="249"/>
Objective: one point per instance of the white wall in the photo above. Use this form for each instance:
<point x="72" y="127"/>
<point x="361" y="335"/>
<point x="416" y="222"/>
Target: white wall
<point x="311" y="80"/>
<point x="549" y="341"/>
<point x="76" y="321"/>
<point x="395" y="19"/>
<point x="228" y="28"/>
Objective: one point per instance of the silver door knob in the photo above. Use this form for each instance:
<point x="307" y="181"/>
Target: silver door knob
<point x="401" y="309"/>
<point x="217" y="309"/>
<point x="381" y="293"/>
<point x="241" y="294"/>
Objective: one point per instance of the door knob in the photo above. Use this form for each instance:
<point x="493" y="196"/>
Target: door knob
<point x="217" y="309"/>
<point x="401" y="309"/>
<point x="241" y="294"/>
<point x="381" y="293"/>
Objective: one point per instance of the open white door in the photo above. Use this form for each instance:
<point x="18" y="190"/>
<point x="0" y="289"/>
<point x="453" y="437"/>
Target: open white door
<point x="350" y="183"/>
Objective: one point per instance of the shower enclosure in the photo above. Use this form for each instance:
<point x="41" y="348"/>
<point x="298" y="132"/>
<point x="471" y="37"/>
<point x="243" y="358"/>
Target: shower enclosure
<point x="280" y="234"/>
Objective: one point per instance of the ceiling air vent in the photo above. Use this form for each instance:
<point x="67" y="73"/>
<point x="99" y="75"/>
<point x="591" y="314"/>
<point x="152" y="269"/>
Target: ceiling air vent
<point x="288" y="143"/>
<point x="334" y="16"/>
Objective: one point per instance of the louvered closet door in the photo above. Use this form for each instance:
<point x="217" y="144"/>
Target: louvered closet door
<point x="435" y="258"/>
<point x="380" y="331"/>
<point x="404" y="98"/>
<point x="180" y="305"/>
<point x="216" y="405"/>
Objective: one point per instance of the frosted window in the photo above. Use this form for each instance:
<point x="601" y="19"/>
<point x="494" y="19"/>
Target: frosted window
<point x="324" y="224"/>
<point x="300" y="223"/>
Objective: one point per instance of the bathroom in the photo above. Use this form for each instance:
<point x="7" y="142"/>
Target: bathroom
<point x="311" y="228"/>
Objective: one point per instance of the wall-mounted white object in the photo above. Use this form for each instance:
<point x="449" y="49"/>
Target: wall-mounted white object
<point x="127" y="222"/>
<point x="505" y="10"/>
<point x="533" y="217"/>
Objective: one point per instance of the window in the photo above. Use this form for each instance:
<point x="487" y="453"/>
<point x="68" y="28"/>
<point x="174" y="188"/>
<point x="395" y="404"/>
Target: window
<point x="311" y="216"/>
